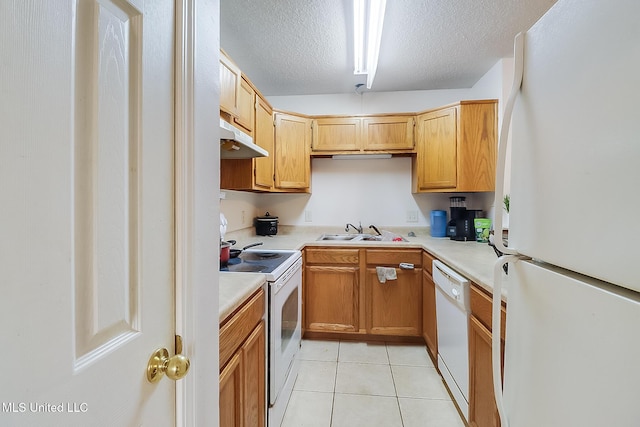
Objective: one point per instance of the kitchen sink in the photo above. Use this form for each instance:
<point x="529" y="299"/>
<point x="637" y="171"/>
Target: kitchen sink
<point x="361" y="237"/>
<point x="345" y="237"/>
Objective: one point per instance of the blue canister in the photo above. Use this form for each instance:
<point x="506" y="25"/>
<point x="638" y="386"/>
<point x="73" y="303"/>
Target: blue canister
<point x="438" y="223"/>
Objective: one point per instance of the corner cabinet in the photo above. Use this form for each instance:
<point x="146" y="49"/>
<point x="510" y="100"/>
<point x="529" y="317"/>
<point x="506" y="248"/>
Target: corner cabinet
<point x="331" y="290"/>
<point x="242" y="365"/>
<point x="456" y="148"/>
<point x="394" y="307"/>
<point x="483" y="411"/>
<point x="292" y="164"/>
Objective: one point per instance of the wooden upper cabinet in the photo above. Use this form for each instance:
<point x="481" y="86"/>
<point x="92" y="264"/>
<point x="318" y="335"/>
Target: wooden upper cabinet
<point x="292" y="164"/>
<point x="336" y="134"/>
<point x="437" y="148"/>
<point x="253" y="174"/>
<point x="388" y="133"/>
<point x="456" y="148"/>
<point x="246" y="107"/>
<point x="350" y="134"/>
<point x="230" y="84"/>
<point x="264" y="137"/>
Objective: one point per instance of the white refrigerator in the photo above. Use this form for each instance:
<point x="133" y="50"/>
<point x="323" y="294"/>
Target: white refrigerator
<point x="572" y="349"/>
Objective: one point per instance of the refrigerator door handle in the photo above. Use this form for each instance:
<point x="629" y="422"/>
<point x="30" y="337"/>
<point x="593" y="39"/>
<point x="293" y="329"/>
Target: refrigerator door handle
<point x="496" y="333"/>
<point x="518" y="69"/>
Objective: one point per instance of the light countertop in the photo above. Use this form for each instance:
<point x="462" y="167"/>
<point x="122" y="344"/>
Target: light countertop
<point x="471" y="259"/>
<point x="235" y="288"/>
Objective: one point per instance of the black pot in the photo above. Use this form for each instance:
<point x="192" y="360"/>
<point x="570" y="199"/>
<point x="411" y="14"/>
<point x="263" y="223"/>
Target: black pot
<point x="266" y="225"/>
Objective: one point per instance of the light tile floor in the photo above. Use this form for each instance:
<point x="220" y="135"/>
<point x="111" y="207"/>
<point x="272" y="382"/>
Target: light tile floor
<point x="352" y="384"/>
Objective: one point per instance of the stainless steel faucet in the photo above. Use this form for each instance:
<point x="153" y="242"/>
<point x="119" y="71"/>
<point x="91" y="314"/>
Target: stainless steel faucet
<point x="358" y="229"/>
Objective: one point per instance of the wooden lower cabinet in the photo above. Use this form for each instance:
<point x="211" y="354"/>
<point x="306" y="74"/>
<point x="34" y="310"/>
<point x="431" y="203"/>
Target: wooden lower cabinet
<point x="231" y="408"/>
<point x="332" y="290"/>
<point x="342" y="293"/>
<point x="429" y="321"/>
<point x="394" y="307"/>
<point x="242" y="358"/>
<point x="483" y="411"/>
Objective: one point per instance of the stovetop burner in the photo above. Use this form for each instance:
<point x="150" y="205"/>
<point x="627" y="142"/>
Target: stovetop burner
<point x="247" y="268"/>
<point x="257" y="256"/>
<point x="273" y="263"/>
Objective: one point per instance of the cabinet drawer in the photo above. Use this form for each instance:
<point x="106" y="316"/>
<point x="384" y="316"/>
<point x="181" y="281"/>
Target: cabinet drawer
<point x="427" y="262"/>
<point x="237" y="328"/>
<point x="481" y="309"/>
<point x="332" y="256"/>
<point x="393" y="257"/>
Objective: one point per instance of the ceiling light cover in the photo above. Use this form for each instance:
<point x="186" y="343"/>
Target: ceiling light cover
<point x="368" y="20"/>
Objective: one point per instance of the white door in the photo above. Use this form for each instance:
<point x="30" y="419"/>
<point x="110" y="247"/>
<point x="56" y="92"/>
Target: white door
<point x="87" y="215"/>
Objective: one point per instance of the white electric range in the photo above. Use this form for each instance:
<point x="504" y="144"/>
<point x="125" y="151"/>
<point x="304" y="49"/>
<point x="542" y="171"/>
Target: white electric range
<point x="283" y="269"/>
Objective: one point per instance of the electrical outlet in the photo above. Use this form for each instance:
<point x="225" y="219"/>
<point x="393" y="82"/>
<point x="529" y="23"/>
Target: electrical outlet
<point x="412" y="216"/>
<point x="242" y="217"/>
<point x="307" y="216"/>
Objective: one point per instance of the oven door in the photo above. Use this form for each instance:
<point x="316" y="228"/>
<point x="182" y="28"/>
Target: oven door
<point x="285" y="328"/>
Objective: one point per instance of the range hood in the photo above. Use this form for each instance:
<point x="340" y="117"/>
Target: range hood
<point x="235" y="144"/>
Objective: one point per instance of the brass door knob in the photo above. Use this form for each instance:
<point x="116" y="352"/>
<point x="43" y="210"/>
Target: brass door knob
<point x="175" y="367"/>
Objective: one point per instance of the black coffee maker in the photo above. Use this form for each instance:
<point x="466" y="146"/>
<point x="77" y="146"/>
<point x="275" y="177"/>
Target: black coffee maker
<point x="461" y="225"/>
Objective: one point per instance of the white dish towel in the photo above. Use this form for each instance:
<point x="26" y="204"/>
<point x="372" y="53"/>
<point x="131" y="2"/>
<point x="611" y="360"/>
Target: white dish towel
<point x="386" y="273"/>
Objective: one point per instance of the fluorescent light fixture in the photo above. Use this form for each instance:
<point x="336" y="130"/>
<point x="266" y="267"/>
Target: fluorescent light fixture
<point x="368" y="18"/>
<point x="360" y="156"/>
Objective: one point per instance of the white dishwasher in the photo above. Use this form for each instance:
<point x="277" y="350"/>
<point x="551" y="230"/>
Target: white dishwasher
<point x="452" y="313"/>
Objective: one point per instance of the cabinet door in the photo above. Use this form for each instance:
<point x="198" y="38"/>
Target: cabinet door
<point x="429" y="321"/>
<point x="264" y="137"/>
<point x="246" y="107"/>
<point x="395" y="307"/>
<point x="231" y="402"/>
<point x="437" y="150"/>
<point x="477" y="146"/>
<point x="230" y="78"/>
<point x="482" y="405"/>
<point x="388" y="133"/>
<point x="336" y="134"/>
<point x="253" y="360"/>
<point x="332" y="298"/>
<point x="292" y="146"/>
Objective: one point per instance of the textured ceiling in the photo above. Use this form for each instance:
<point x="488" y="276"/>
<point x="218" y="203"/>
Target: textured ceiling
<point x="301" y="47"/>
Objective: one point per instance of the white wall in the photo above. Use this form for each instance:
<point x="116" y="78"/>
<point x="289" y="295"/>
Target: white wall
<point x="239" y="207"/>
<point x="374" y="191"/>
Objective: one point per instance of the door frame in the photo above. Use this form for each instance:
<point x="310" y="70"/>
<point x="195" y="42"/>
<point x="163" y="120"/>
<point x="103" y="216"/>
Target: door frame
<point x="197" y="183"/>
